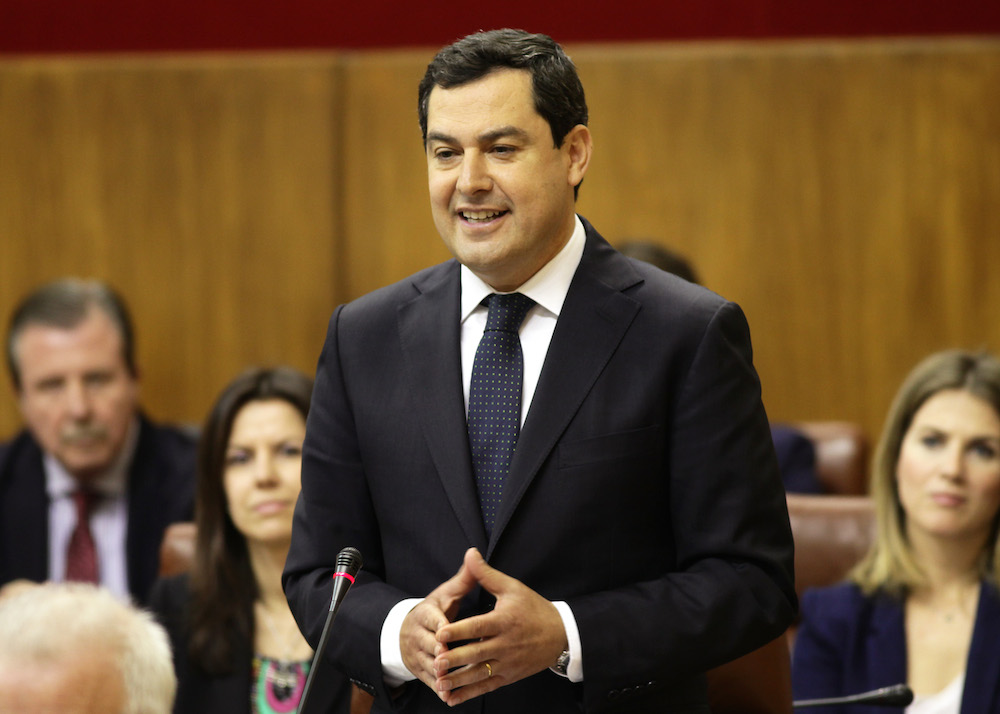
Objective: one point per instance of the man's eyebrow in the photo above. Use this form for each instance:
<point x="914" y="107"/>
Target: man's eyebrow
<point x="502" y="132"/>
<point x="438" y="136"/>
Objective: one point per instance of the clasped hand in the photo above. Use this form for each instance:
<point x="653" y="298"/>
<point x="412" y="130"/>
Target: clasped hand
<point x="521" y="636"/>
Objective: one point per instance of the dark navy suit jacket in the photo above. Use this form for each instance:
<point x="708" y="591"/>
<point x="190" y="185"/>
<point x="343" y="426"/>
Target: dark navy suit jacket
<point x="849" y="643"/>
<point x="160" y="492"/>
<point x="644" y="489"/>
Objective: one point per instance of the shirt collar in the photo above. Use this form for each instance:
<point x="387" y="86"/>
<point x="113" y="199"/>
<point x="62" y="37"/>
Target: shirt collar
<point x="113" y="482"/>
<point x="548" y="287"/>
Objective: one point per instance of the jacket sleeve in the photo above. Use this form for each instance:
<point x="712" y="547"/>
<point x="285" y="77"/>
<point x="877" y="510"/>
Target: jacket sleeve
<point x="728" y="587"/>
<point x="334" y="510"/>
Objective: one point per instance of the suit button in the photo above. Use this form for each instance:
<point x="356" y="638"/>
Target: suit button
<point x="614" y="694"/>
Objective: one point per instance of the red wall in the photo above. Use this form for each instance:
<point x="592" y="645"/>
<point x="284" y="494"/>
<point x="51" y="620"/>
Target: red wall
<point x="30" y="26"/>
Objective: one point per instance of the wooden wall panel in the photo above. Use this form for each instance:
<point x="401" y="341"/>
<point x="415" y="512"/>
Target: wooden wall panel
<point x="847" y="194"/>
<point x="388" y="230"/>
<point x="202" y="187"/>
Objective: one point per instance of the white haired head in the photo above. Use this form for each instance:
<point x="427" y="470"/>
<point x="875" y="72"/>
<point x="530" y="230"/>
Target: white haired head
<point x="58" y="627"/>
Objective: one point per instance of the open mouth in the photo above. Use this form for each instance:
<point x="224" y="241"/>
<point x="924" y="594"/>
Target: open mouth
<point x="481" y="216"/>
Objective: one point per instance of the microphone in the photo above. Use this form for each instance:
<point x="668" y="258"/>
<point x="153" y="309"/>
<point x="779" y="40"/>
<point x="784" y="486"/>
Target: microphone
<point x="348" y="564"/>
<point x="898" y="695"/>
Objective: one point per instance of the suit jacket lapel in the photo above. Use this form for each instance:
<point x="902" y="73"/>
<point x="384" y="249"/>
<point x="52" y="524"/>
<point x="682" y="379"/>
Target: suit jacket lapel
<point x="142" y="541"/>
<point x="982" y="676"/>
<point x="593" y="320"/>
<point x="886" y="643"/>
<point x="25" y="514"/>
<point x="425" y="324"/>
<point x="887" y="651"/>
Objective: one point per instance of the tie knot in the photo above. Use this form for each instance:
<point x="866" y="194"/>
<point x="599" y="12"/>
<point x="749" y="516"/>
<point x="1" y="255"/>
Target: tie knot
<point x="84" y="500"/>
<point x="507" y="311"/>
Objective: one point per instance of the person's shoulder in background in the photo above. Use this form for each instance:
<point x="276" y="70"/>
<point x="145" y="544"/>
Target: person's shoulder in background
<point x="796" y="459"/>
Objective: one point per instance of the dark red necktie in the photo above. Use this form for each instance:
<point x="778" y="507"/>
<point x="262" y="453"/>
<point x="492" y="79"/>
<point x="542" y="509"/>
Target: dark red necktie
<point x="81" y="557"/>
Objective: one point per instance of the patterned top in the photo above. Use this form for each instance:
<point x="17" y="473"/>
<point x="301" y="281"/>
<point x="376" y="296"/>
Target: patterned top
<point x="276" y="685"/>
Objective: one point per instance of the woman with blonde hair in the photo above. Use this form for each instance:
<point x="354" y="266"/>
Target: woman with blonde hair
<point x="922" y="607"/>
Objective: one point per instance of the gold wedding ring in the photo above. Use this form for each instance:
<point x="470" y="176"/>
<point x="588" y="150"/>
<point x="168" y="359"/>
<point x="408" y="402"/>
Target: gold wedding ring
<point x="489" y="670"/>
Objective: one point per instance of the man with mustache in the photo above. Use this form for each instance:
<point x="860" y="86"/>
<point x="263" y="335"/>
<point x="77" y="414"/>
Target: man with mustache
<point x="89" y="486"/>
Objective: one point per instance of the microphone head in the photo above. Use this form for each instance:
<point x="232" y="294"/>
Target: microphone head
<point x="349" y="561"/>
<point x="898" y="695"/>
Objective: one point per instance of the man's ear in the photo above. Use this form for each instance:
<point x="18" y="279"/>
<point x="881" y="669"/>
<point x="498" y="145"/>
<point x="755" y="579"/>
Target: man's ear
<point x="578" y="146"/>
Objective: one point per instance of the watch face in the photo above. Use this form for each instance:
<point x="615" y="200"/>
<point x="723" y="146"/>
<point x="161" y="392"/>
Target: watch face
<point x="562" y="664"/>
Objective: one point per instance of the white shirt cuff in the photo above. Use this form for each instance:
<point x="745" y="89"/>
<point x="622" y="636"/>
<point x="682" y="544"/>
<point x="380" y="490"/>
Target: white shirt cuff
<point x="394" y="671"/>
<point x="575" y="670"/>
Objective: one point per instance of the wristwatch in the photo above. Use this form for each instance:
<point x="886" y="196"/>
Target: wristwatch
<point x="562" y="663"/>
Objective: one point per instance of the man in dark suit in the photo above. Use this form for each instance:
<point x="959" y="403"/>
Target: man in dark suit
<point x="637" y="534"/>
<point x="89" y="486"/>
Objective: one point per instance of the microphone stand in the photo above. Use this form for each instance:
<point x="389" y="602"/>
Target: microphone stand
<point x="898" y="695"/>
<point x="348" y="565"/>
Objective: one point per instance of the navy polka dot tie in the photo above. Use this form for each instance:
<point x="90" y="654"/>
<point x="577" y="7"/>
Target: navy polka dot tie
<point x="495" y="398"/>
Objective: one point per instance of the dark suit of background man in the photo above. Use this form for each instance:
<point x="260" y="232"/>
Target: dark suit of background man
<point x="642" y="532"/>
<point x="71" y="357"/>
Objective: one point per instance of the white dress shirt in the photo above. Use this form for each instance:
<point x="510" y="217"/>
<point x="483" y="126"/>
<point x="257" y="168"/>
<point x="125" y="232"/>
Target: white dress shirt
<point x="947" y="701"/>
<point x="548" y="288"/>
<point x="108" y="519"/>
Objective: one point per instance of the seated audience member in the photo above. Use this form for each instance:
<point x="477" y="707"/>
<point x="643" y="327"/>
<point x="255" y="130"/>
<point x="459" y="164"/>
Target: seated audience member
<point x="662" y="257"/>
<point x="796" y="452"/>
<point x="236" y="646"/>
<point x="88" y="488"/>
<point x="796" y="459"/>
<point x="74" y="648"/>
<point x="922" y="607"/>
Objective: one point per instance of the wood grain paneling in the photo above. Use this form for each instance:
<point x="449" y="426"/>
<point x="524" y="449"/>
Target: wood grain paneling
<point x="388" y="231"/>
<point x="203" y="188"/>
<point x="847" y="194"/>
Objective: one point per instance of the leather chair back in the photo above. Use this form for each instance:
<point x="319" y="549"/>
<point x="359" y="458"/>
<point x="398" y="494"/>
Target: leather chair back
<point x="831" y="535"/>
<point x="756" y="683"/>
<point x="177" y="549"/>
<point x="841" y="455"/>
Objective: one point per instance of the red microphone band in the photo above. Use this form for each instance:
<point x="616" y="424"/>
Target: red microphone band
<point x="345" y="575"/>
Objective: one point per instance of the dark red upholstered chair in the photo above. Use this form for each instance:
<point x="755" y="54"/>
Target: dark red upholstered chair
<point x="831" y="534"/>
<point x="177" y="549"/>
<point x="756" y="683"/>
<point x="841" y="455"/>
